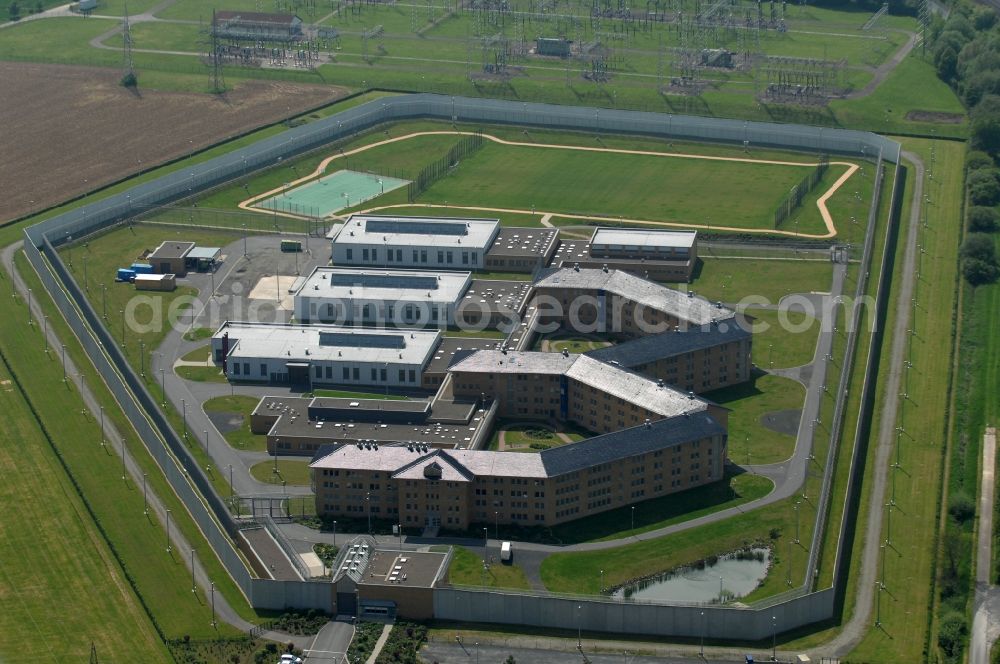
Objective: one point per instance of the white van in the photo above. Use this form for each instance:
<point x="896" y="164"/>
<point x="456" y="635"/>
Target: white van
<point x="505" y="552"/>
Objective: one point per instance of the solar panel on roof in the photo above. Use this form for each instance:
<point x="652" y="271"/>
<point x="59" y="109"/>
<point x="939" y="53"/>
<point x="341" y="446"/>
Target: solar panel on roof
<point x="383" y="281"/>
<point x="416" y="227"/>
<point x="362" y="340"/>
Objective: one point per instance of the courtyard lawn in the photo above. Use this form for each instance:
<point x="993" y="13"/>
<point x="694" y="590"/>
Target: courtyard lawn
<point x="467" y="570"/>
<point x="732" y="279"/>
<point x="789" y="340"/>
<point x="293" y="471"/>
<point x="241" y="438"/>
<point x="750" y="404"/>
<point x="200" y="354"/>
<point x="212" y="374"/>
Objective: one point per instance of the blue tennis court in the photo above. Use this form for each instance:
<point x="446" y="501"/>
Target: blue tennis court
<point x="331" y="193"/>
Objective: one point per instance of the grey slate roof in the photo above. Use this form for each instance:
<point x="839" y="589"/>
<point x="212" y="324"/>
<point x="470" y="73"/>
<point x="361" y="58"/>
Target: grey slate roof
<point x="612" y="447"/>
<point x="644" y="350"/>
<point x="683" y="306"/>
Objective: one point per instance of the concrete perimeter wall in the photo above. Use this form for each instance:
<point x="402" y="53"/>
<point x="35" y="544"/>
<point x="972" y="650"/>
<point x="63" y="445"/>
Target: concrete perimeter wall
<point x="210" y="512"/>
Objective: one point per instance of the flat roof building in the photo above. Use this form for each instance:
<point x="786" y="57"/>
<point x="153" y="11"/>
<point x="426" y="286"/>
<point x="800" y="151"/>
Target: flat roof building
<point x="654" y="254"/>
<point x="410" y="298"/>
<point x="323" y="355"/>
<point x="171" y="257"/>
<point x="522" y="249"/>
<point x="424" y="242"/>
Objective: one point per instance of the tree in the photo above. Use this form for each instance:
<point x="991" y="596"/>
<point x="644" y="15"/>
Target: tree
<point x="14" y="10"/>
<point x="983" y="18"/>
<point x="952" y="633"/>
<point x="977" y="159"/>
<point x="979" y="246"/>
<point x="984" y="192"/>
<point x="946" y="63"/>
<point x="978" y="272"/>
<point x="510" y="660"/>
<point x="983" y="219"/>
<point x="986" y="124"/>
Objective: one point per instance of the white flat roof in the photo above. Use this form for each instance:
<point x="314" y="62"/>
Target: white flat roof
<point x="639" y="237"/>
<point x="324" y="343"/>
<point x="418" y="231"/>
<point x="345" y="283"/>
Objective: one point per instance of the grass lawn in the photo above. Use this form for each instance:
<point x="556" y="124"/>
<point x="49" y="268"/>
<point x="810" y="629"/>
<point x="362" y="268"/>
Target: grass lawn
<point x="732" y="279"/>
<point x="616" y="185"/>
<point x="198" y="333"/>
<point x="533" y="438"/>
<point x="579" y="572"/>
<point x="162" y="580"/>
<point x="242" y="438"/>
<point x="573" y="344"/>
<point x="783" y="345"/>
<point x="467" y="570"/>
<point x="910" y="567"/>
<point x="752" y="401"/>
<point x="293" y="472"/>
<point x="212" y="374"/>
<point x="200" y="354"/>
<point x="62" y="587"/>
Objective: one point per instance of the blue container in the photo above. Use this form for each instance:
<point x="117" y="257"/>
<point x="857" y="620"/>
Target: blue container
<point x="125" y="274"/>
<point x="141" y="268"/>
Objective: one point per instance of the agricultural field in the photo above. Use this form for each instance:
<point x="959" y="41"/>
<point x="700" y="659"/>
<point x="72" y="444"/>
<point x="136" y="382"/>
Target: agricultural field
<point x="64" y="159"/>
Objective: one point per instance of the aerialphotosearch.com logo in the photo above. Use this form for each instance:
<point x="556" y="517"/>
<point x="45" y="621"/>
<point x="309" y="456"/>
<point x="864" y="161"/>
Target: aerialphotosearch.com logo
<point x="584" y="314"/>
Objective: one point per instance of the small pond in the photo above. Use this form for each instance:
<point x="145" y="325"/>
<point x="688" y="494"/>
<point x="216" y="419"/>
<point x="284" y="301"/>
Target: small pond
<point x="741" y="572"/>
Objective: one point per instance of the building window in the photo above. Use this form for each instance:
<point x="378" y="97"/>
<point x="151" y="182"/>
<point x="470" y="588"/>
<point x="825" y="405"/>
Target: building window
<point x="413" y="376"/>
<point x="450" y="257"/>
<point x="415" y="255"/>
<point x="374" y="374"/>
<point x="465" y="258"/>
<point x="347" y="373"/>
<point x="350" y="254"/>
<point x="399" y="255"/>
<point x="329" y="373"/>
<point x="263" y="369"/>
<point x="440" y="256"/>
<point x="364" y="254"/>
<point x="423" y="255"/>
<point x="246" y="368"/>
<point x="383" y="375"/>
<point x="357" y="373"/>
<point x="374" y="255"/>
<point x="402" y="375"/>
<point x="236" y="368"/>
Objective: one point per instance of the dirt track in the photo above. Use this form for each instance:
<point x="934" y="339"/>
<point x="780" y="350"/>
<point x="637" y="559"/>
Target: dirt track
<point x="831" y="228"/>
<point x="68" y="130"/>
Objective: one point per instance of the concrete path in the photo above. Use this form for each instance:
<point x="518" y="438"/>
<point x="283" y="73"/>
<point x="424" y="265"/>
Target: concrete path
<point x="377" y="650"/>
<point x="883" y="70"/>
<point x="986" y="623"/>
<point x="54" y="12"/>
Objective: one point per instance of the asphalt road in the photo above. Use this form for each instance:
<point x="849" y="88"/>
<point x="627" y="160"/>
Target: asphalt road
<point x="986" y="622"/>
<point x="331" y="644"/>
<point x="467" y="653"/>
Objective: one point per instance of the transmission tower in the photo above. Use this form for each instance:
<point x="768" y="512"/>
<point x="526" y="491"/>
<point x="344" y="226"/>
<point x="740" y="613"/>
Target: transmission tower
<point x="128" y="65"/>
<point x="925" y="20"/>
<point x="215" y="60"/>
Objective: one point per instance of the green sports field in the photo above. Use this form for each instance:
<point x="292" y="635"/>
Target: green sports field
<point x="331" y="193"/>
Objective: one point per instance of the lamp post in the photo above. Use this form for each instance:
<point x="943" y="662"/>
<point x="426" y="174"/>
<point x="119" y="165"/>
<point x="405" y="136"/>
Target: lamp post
<point x="124" y="474"/>
<point x="496" y="530"/>
<point x="602" y="580"/>
<point x="774" y="638"/>
<point x="29" y="306"/>
<point x="399" y="531"/>
<point x="64" y="361"/>
<point x="335" y="533"/>
<point x="579" y="628"/>
<point x="145" y="499"/>
<point x="368" y="502"/>
<point x="163" y="389"/>
<point x="104" y="301"/>
<point x="45" y="332"/>
<point x="169" y="549"/>
<point x="720" y="590"/>
<point x="633" y="517"/>
<point x="486" y="543"/>
<point x="142" y="358"/>
<point x="194" y="588"/>
<point x="121" y="312"/>
<point x="795" y="507"/>
<point x="231" y="489"/>
<point x="184" y="415"/>
<point x="702" y="651"/>
<point x="214" y="623"/>
<point x="102" y="426"/>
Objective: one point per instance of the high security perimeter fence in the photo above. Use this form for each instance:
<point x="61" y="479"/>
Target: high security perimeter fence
<point x="193" y="486"/>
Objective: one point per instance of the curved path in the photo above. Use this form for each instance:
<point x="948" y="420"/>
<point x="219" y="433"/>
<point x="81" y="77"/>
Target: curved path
<point x="547" y="215"/>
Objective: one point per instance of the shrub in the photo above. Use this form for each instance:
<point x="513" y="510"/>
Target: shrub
<point x="961" y="507"/>
<point x="978" y="159"/>
<point x="979" y="246"/>
<point x="983" y="219"/>
<point x="984" y="186"/>
<point x="951" y="634"/>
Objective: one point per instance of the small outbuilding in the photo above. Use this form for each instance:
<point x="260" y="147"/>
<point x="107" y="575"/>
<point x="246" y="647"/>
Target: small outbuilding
<point x="171" y="257"/>
<point x="155" y="282"/>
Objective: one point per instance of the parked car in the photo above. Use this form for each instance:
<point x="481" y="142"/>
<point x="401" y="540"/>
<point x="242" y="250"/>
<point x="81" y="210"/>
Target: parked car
<point x="289" y="659"/>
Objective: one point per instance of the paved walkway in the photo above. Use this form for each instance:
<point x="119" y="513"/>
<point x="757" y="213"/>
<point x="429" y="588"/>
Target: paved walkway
<point x="986" y="623"/>
<point x="377" y="650"/>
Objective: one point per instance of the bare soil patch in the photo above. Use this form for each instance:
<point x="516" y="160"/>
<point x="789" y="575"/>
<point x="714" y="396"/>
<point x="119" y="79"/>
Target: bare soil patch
<point x="935" y="116"/>
<point x="68" y="130"/>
